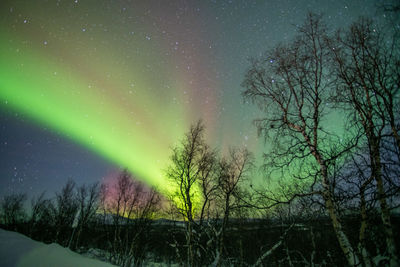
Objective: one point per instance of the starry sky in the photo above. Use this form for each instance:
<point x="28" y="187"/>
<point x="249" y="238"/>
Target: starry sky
<point x="90" y="87"/>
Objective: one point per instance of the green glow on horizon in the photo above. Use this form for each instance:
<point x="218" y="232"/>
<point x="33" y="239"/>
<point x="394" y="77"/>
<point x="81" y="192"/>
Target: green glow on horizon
<point x="59" y="97"/>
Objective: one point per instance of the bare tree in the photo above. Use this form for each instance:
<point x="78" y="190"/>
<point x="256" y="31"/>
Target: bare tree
<point x="132" y="206"/>
<point x="12" y="210"/>
<point x="233" y="171"/>
<point x="37" y="205"/>
<point x="208" y="191"/>
<point x="291" y="83"/>
<point x="367" y="65"/>
<point x="189" y="172"/>
<point x="41" y="218"/>
<point x="64" y="212"/>
<point x="208" y="168"/>
<point x="87" y="198"/>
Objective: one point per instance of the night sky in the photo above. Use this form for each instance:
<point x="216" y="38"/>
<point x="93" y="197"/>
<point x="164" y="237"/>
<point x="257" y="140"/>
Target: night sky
<point x="90" y="87"/>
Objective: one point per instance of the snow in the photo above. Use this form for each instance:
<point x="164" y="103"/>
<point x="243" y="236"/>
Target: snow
<point x="20" y="251"/>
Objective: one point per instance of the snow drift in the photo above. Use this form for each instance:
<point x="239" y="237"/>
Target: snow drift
<point x="20" y="251"/>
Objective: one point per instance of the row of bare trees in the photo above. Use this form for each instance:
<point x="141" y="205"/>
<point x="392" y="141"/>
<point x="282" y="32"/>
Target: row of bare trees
<point x="131" y="207"/>
<point x="52" y="220"/>
<point x="331" y="105"/>
<point x="113" y="217"/>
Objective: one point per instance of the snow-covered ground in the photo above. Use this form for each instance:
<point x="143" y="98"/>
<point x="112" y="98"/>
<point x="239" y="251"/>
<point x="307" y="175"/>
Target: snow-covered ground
<point x="20" y="251"/>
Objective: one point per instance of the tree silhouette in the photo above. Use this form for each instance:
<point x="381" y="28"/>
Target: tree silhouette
<point x="191" y="164"/>
<point x="233" y="171"/>
<point x="291" y="83"/>
<point x="87" y="198"/>
<point x="12" y="210"/>
<point x="367" y="64"/>
<point x="131" y="207"/>
<point x="64" y="212"/>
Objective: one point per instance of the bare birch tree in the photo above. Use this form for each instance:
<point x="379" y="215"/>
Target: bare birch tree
<point x="190" y="171"/>
<point x="87" y="198"/>
<point x="233" y="171"/>
<point x="41" y="218"/>
<point x="367" y="64"/>
<point x="132" y="207"/>
<point x="291" y="84"/>
<point x="64" y="212"/>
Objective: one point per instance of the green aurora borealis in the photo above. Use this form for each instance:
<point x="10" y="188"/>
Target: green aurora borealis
<point x="132" y="133"/>
<point x="126" y="79"/>
<point x="63" y="101"/>
<point x="114" y="110"/>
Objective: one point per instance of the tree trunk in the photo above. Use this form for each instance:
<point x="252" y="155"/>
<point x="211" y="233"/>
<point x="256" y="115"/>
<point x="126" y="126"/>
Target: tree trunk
<point x="361" y="237"/>
<point x="190" y="244"/>
<point x="344" y="242"/>
<point x="385" y="213"/>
